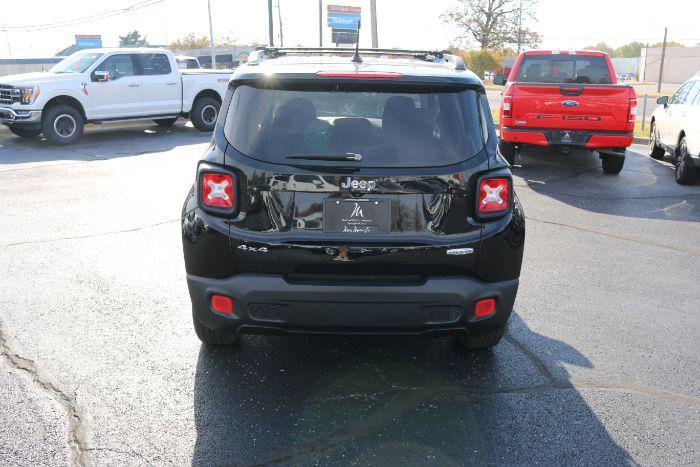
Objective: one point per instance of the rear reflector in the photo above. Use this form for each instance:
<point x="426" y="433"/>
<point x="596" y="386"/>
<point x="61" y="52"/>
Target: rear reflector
<point x="222" y="304"/>
<point x="485" y="307"/>
<point x="217" y="190"/>
<point x="493" y="195"/>
<point x="360" y="74"/>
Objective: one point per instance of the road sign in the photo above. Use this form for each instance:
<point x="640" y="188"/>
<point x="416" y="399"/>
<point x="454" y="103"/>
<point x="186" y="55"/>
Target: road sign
<point x="91" y="41"/>
<point x="356" y="10"/>
<point x="344" y="36"/>
<point x="343" y="20"/>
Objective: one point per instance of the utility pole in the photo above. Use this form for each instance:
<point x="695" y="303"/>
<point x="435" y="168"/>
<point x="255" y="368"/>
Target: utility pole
<point x="520" y="25"/>
<point x="211" y="38"/>
<point x="663" y="57"/>
<point x="320" y="23"/>
<point x="7" y="38"/>
<point x="279" y="17"/>
<point x="373" y="13"/>
<point x="270" y="29"/>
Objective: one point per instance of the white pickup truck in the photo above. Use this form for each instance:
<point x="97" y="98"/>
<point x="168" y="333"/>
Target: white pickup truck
<point x="109" y="85"/>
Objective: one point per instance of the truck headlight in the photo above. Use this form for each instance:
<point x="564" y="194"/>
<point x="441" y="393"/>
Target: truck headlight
<point x="28" y="95"/>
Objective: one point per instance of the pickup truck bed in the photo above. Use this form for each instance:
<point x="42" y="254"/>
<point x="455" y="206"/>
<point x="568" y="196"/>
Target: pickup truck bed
<point x="109" y="85"/>
<point x="567" y="100"/>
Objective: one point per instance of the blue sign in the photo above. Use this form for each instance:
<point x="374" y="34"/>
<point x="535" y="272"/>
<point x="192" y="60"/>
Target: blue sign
<point x="343" y="20"/>
<point x="88" y="43"/>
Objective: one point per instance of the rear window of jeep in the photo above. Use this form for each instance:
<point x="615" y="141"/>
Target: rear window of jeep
<point x="388" y="129"/>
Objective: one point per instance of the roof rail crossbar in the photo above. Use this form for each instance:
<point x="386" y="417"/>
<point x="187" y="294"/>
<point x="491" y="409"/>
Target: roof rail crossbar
<point x="266" y="52"/>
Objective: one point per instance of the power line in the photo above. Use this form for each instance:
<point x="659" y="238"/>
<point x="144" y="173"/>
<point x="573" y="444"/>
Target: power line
<point x="84" y="19"/>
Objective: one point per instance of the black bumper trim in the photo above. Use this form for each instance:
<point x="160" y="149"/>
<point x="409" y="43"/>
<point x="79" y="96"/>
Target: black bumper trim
<point x="351" y="308"/>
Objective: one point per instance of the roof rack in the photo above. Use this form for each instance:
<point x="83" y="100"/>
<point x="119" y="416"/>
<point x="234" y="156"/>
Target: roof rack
<point x="434" y="56"/>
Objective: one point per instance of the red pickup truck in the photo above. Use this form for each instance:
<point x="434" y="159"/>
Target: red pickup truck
<point x="567" y="100"/>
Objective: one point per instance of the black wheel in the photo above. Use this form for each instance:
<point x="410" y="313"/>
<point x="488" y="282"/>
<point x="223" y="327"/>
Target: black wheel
<point x="612" y="164"/>
<point x="214" y="336"/>
<point x="507" y="150"/>
<point x="166" y="122"/>
<point x="483" y="342"/>
<point x="25" y="132"/>
<point x="655" y="151"/>
<point x="62" y="124"/>
<point x="204" y="113"/>
<point x="686" y="174"/>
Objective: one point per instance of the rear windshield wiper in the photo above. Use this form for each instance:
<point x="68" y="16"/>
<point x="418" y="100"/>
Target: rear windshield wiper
<point x="348" y="156"/>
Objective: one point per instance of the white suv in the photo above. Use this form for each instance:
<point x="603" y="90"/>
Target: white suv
<point x="675" y="127"/>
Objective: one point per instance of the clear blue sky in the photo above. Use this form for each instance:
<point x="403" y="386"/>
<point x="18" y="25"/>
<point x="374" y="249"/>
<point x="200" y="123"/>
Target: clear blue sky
<point x="411" y="24"/>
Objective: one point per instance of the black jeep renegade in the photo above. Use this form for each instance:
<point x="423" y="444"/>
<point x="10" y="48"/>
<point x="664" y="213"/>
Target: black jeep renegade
<point x="353" y="196"/>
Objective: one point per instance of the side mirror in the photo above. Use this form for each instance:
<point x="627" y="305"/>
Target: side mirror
<point x="499" y="80"/>
<point x="100" y="76"/>
<point x="663" y="100"/>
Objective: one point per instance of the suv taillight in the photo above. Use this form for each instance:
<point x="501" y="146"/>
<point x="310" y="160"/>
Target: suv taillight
<point x="217" y="191"/>
<point x="494" y="196"/>
<point x="633" y="111"/>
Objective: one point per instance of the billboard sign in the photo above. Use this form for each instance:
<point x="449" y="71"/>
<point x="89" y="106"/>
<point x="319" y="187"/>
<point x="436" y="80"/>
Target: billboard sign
<point x="91" y="41"/>
<point x="344" y="36"/>
<point x="343" y="17"/>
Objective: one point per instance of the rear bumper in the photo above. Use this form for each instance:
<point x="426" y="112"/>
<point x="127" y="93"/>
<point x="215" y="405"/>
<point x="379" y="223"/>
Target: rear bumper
<point x="267" y="303"/>
<point x="576" y="138"/>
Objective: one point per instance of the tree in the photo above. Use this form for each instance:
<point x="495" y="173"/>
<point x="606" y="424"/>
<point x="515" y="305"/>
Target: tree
<point x="494" y="24"/>
<point x="132" y="39"/>
<point x="668" y="44"/>
<point x="480" y="60"/>
<point x="190" y="42"/>
<point x="631" y="50"/>
<point x="600" y="47"/>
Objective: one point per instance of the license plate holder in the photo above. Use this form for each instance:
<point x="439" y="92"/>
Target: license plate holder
<point x="357" y="216"/>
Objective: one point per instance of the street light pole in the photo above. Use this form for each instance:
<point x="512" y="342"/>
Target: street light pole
<point x="373" y="14"/>
<point x="270" y="27"/>
<point x="211" y="37"/>
<point x="320" y="23"/>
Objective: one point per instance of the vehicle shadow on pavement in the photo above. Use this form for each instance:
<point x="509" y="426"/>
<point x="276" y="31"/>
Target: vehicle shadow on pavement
<point x="644" y="189"/>
<point x="101" y="143"/>
<point x="362" y="400"/>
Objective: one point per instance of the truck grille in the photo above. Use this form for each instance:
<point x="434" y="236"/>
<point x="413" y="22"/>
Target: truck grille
<point x="7" y="94"/>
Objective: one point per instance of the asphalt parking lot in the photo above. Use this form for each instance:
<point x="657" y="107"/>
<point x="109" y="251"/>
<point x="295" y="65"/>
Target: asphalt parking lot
<point x="100" y="364"/>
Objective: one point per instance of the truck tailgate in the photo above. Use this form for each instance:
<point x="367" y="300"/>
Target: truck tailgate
<point x="571" y="106"/>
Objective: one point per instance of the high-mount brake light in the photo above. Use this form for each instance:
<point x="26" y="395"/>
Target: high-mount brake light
<point x="217" y="190"/>
<point x="360" y="74"/>
<point x="494" y="194"/>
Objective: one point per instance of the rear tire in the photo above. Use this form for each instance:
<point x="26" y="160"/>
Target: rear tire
<point x="686" y="174"/>
<point x="484" y="342"/>
<point x="165" y="122"/>
<point x="62" y="124"/>
<point x="507" y="150"/>
<point x="612" y="164"/>
<point x="204" y="113"/>
<point x="216" y="337"/>
<point x="25" y="132"/>
<point x="655" y="151"/>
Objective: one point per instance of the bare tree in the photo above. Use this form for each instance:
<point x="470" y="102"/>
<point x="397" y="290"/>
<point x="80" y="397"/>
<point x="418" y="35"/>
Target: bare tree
<point x="494" y="24"/>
